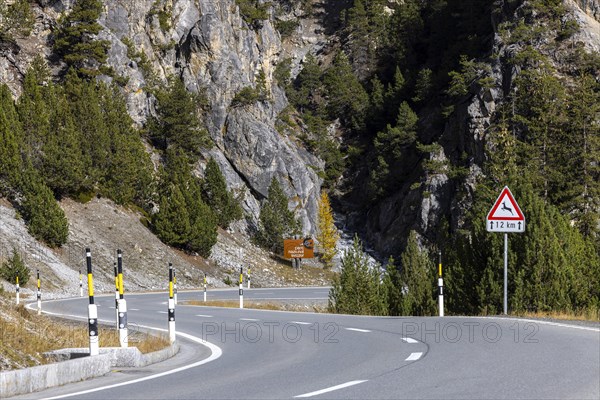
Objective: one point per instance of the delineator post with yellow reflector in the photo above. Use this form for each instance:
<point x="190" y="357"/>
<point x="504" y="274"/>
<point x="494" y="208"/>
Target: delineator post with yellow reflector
<point x="92" y="308"/>
<point x="248" y="276"/>
<point x="241" y="287"/>
<point x="205" y="287"/>
<point x="80" y="284"/>
<point x="116" y="294"/>
<point x="440" y="286"/>
<point x="175" y="286"/>
<point x="122" y="304"/>
<point x="171" y="306"/>
<point x="39" y="293"/>
<point x="17" y="291"/>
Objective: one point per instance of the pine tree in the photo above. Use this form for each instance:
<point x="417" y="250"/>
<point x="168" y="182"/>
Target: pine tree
<point x="34" y="110"/>
<point x="418" y="277"/>
<point x="62" y="163"/>
<point x="358" y="289"/>
<point x="10" y="138"/>
<point x="394" y="288"/>
<point x="45" y="219"/>
<point x="75" y="38"/>
<point x="307" y="86"/>
<point x="172" y="222"/>
<point x="216" y="195"/>
<point x="86" y="108"/>
<point x="203" y="232"/>
<point x="129" y="176"/>
<point x="347" y="99"/>
<point x="327" y="234"/>
<point x="392" y="147"/>
<point x="184" y="220"/>
<point x="177" y="123"/>
<point x="276" y="221"/>
<point x="14" y="268"/>
<point x="581" y="165"/>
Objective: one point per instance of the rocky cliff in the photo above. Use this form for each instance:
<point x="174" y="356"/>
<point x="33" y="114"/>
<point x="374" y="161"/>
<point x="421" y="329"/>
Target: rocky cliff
<point x="212" y="48"/>
<point x="421" y="207"/>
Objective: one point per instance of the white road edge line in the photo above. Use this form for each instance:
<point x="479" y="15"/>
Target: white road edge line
<point x="536" y="321"/>
<point x="300" y="323"/>
<point x="249" y="319"/>
<point x="204" y="316"/>
<point x="215" y="350"/>
<point x="357" y="330"/>
<point x="410" y="340"/>
<point x="414" y="356"/>
<point x="330" y="389"/>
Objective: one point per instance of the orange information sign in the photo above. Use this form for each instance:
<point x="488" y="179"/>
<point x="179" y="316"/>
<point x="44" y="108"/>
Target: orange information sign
<point x="298" y="248"/>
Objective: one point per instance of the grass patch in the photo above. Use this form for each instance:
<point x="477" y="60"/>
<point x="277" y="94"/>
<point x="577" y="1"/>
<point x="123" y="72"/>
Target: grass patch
<point x="24" y="337"/>
<point x="258" y="305"/>
<point x="235" y="304"/>
<point x="584" y="315"/>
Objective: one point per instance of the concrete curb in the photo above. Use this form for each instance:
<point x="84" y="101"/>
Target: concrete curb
<point x="78" y="367"/>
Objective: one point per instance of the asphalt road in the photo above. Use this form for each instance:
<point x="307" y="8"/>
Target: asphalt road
<point x="281" y="355"/>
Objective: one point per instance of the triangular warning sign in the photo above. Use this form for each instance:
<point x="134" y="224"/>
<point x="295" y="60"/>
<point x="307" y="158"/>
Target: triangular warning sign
<point x="505" y="208"/>
<point x="505" y="215"/>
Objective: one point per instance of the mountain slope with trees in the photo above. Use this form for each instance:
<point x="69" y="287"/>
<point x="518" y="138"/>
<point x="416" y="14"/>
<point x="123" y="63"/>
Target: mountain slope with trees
<point x="411" y="114"/>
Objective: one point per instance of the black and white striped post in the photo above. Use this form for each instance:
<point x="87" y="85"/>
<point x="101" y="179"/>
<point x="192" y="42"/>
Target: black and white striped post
<point x="17" y="291"/>
<point x="248" y="277"/>
<point x="205" y="287"/>
<point x="440" y="286"/>
<point x="241" y="287"/>
<point x="80" y="284"/>
<point x="171" y="305"/>
<point x="92" y="308"/>
<point x="116" y="294"/>
<point x="174" y="286"/>
<point x="122" y="304"/>
<point x="39" y="293"/>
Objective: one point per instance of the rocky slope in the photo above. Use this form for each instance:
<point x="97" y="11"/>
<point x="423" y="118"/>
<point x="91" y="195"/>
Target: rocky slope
<point x="104" y="227"/>
<point x="209" y="44"/>
<point x="212" y="48"/>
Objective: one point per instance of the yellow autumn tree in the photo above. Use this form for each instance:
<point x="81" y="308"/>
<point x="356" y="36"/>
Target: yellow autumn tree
<point x="327" y="234"/>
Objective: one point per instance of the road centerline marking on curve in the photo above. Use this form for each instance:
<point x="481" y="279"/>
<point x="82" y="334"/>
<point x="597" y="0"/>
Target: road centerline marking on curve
<point x="410" y="340"/>
<point x="330" y="389"/>
<point x="414" y="356"/>
<point x="300" y="323"/>
<point x="204" y="316"/>
<point x="249" y="319"/>
<point x="357" y="330"/>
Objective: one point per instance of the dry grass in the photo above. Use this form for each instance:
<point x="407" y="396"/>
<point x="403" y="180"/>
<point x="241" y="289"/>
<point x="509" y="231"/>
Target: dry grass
<point x="584" y="315"/>
<point x="25" y="336"/>
<point x="234" y="304"/>
<point x="257" y="305"/>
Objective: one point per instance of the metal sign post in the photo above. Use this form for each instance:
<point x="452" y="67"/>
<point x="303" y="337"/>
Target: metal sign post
<point x="505" y="216"/>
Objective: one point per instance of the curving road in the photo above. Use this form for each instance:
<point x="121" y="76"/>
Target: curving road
<point x="282" y="355"/>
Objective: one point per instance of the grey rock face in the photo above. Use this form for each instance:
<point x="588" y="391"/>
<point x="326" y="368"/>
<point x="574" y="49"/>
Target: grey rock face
<point x="209" y="45"/>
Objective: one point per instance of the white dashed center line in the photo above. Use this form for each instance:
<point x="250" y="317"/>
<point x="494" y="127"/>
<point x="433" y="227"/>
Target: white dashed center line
<point x="414" y="356"/>
<point x="330" y="389"/>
